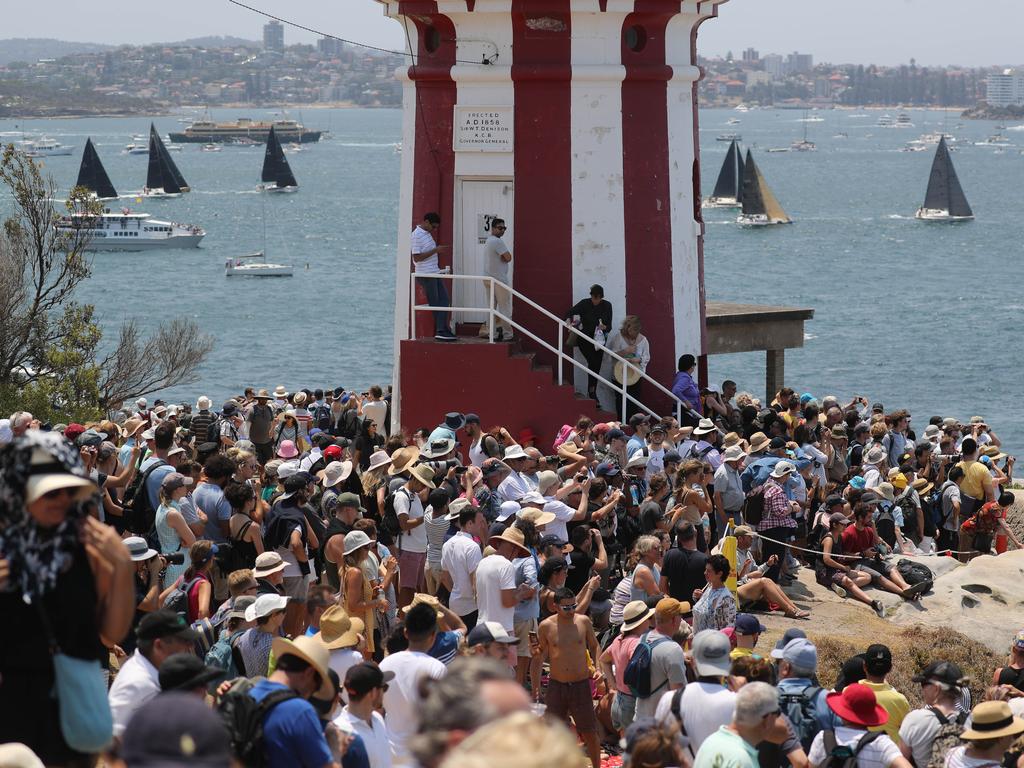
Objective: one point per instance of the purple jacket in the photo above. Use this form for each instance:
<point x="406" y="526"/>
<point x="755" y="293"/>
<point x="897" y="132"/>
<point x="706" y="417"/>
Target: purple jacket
<point x="685" y="388"/>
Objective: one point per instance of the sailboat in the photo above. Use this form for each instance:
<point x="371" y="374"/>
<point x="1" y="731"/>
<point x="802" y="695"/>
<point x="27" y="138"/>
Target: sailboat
<point x="256" y="264"/>
<point x="163" y="179"/>
<point x="760" y="208"/>
<point x="277" y="174"/>
<point x="93" y="176"/>
<point x="944" y="200"/>
<point x="804" y="145"/>
<point x="728" y="192"/>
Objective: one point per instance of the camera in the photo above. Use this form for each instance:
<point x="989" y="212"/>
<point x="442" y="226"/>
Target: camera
<point x="175" y="558"/>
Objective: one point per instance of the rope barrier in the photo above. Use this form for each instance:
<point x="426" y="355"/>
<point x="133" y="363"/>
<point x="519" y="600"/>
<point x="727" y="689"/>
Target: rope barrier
<point x="858" y="557"/>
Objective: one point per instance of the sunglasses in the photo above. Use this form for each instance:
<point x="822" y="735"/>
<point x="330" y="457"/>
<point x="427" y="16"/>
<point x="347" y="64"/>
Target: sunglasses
<point x="567" y="607"/>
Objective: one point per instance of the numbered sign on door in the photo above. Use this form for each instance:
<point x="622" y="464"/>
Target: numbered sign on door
<point x="483" y="225"/>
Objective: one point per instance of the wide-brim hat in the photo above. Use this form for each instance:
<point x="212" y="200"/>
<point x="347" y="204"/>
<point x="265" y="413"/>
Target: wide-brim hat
<point x="626" y="375"/>
<point x="335" y="472"/>
<point x="272" y="563"/>
<point x="704" y="427"/>
<point x="886" y="491"/>
<point x="403" y="458"/>
<point x="354" y="541"/>
<point x="634" y="614"/>
<point x="875" y="455"/>
<point x="455" y="509"/>
<point x="264" y="605"/>
<point x="922" y="486"/>
<point x="314" y="652"/>
<point x="132" y="427"/>
<point x="435" y="449"/>
<point x="536" y="516"/>
<point x="287" y="450"/>
<point x="511" y="535"/>
<point x="378" y="459"/>
<point x="733" y="453"/>
<point x="993" y="453"/>
<point x="423" y="598"/>
<point x="40" y="485"/>
<point x="514" y="452"/>
<point x="263" y="395"/>
<point x="299" y="399"/>
<point x="857" y="705"/>
<point x="280" y="392"/>
<point x="338" y="629"/>
<point x="424" y="474"/>
<point x="992" y="720"/>
<point x="759" y="441"/>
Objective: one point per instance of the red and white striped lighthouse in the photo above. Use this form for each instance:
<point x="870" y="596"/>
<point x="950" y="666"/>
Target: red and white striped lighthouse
<point x="576" y="122"/>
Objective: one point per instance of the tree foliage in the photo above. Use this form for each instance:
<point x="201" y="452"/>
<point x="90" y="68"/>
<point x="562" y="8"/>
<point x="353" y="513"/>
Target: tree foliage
<point x="49" y="343"/>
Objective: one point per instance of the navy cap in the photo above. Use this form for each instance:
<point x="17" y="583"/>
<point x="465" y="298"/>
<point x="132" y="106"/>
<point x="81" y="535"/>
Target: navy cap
<point x="472" y="418"/>
<point x="672" y="456"/>
<point x="615" y="434"/>
<point x="606" y="469"/>
<point x="176" y="729"/>
<point x="185" y="671"/>
<point x="164" y="623"/>
<point x="777" y="443"/>
<point x="791" y="634"/>
<point x="747" y="624"/>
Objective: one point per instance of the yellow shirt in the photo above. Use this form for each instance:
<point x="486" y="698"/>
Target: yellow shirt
<point x="977" y="480"/>
<point x="739" y="653"/>
<point x="893" y="702"/>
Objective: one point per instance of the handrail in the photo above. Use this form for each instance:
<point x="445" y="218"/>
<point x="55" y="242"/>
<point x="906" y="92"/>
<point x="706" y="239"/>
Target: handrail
<point x="493" y="313"/>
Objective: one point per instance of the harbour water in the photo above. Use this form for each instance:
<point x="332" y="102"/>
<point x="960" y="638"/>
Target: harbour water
<point x="908" y="313"/>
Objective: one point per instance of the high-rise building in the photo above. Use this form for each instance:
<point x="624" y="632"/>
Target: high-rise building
<point x="1005" y="89"/>
<point x="751" y="55"/>
<point x="799" y="63"/>
<point x="329" y="46"/>
<point x="273" y="36"/>
<point x="774" y="65"/>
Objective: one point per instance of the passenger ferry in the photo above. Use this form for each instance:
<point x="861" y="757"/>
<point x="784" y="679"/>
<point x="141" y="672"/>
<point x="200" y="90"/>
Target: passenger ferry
<point x="209" y="132"/>
<point x="127" y="231"/>
<point x="45" y="147"/>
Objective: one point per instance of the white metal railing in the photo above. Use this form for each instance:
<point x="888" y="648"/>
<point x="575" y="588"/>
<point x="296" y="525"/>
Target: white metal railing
<point x="562" y="326"/>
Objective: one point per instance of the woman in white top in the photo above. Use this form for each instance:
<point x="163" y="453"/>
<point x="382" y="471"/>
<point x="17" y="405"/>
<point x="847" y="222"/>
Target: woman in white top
<point x="630" y="343"/>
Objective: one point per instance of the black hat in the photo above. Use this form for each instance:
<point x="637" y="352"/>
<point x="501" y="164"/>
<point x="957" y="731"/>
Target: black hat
<point x="672" y="456"/>
<point x="230" y="408"/>
<point x="472" y="418"/>
<point x="454" y="421"/>
<point x="614" y="434"/>
<point x="878" y="659"/>
<point x="945" y="673"/>
<point x="637" y="419"/>
<point x="835" y="500"/>
<point x="185" y="671"/>
<point x="176" y="729"/>
<point x="363" y="678"/>
<point x="296" y="482"/>
<point x="777" y="443"/>
<point x="553" y="540"/>
<point x="165" y="623"/>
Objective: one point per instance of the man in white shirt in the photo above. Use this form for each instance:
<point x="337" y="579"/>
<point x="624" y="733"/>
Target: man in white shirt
<point x="412" y="543"/>
<point x="424" y="255"/>
<point x="375" y="408"/>
<point x="705" y="705"/>
<point x="160" y="634"/>
<point x="497" y="261"/>
<point x="460" y="556"/>
<point x="496" y="591"/>
<point x="515" y="486"/>
<point x="548" y="484"/>
<point x="365" y="685"/>
<point x="401" y="699"/>
<point x="729" y="494"/>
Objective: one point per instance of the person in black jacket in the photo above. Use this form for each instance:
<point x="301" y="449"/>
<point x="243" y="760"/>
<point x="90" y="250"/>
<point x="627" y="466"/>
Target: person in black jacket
<point x="593" y="313"/>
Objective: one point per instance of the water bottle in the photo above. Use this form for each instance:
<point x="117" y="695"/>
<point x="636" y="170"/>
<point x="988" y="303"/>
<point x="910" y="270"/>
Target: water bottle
<point x="599" y="340"/>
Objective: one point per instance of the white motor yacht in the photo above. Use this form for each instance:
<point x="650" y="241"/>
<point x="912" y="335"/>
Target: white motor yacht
<point x="127" y="231"/>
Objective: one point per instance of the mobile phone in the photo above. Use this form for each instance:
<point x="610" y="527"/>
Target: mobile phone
<point x="534" y="638"/>
<point x="460" y="470"/>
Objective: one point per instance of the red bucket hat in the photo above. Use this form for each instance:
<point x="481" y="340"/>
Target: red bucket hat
<point x="857" y="705"/>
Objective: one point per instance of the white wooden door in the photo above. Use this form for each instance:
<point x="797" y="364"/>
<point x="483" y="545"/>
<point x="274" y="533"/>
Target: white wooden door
<point x="481" y="201"/>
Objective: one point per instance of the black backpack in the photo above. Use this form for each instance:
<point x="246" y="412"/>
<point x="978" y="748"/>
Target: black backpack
<point x="243" y="717"/>
<point x="753" y="506"/>
<point x="914" y="572"/>
<point x="213" y="430"/>
<point x="389" y="518"/>
<point x="349" y="424"/>
<point x="322" y="417"/>
<point x="139" y="514"/>
<point x="177" y="600"/>
<point x="837" y="756"/>
<point x="905" y="503"/>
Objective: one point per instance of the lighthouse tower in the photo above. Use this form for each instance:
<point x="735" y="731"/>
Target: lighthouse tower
<point x="576" y="122"/>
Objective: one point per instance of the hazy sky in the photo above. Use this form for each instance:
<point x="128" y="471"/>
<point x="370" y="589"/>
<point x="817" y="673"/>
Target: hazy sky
<point x="869" y="31"/>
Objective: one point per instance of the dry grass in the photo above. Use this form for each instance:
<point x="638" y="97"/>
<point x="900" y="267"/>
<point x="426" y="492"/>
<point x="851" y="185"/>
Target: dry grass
<point x="913" y="648"/>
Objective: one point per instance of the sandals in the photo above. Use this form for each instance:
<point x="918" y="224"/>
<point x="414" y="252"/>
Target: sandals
<point x="800" y="615"/>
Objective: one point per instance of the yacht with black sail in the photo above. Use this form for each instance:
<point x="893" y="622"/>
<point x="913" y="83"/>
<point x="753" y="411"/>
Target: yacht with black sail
<point x="760" y="208"/>
<point x="163" y="179"/>
<point x="277" y="175"/>
<point x="728" y="192"/>
<point x="945" y="199"/>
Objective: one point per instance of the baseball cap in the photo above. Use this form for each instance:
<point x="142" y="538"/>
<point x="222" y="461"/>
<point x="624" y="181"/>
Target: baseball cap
<point x="174" y="481"/>
<point x="363" y="678"/>
<point x="878" y="659"/>
<point x="743" y="530"/>
<point x="553" y="540"/>
<point x="711" y="653"/>
<point x="489" y="632"/>
<point x="777" y="443"/>
<point x="185" y="671"/>
<point x="165" y="623"/>
<point x="606" y="469"/>
<point x="672" y="456"/>
<point x="945" y="673"/>
<point x="615" y="434"/>
<point x="791" y="634"/>
<point x="508" y="509"/>
<point x="176" y="729"/>
<point x="1018" y="641"/>
<point x="748" y="624"/>
<point x="838" y="517"/>
<point x="835" y="500"/>
<point x="782" y="469"/>
<point x="800" y="652"/>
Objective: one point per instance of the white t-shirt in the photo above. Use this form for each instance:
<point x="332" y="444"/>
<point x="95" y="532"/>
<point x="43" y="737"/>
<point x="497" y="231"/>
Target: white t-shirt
<point x="493" y="265"/>
<point x="342" y="659"/>
<point x="563" y="514"/>
<point x="878" y="754"/>
<point x="421" y="242"/>
<point x="378" y="411"/>
<point x="401" y="699"/>
<point x="409" y="504"/>
<point x="374" y="735"/>
<point x="705" y="707"/>
<point x="918" y="730"/>
<point x="460" y="556"/>
<point x="494" y="574"/>
<point x="957" y="758"/>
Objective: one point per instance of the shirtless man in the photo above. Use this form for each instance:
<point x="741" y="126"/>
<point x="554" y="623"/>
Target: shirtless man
<point x="566" y="638"/>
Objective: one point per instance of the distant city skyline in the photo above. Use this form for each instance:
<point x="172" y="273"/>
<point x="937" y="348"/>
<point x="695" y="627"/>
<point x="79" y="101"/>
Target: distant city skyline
<point x="887" y="32"/>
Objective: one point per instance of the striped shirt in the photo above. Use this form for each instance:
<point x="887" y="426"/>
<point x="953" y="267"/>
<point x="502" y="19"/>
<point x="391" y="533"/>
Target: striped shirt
<point x="421" y="242"/>
<point x="437" y="532"/>
<point x="777" y="512"/>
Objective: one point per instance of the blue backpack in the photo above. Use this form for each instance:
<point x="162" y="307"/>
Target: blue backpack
<point x="801" y="710"/>
<point x="223" y="656"/>
<point x="638" y="672"/>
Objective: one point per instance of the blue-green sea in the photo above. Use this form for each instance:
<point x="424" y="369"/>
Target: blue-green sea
<point x="920" y="315"/>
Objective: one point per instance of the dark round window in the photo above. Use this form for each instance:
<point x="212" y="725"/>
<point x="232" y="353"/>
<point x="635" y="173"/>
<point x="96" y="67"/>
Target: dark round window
<point x="431" y="39"/>
<point x="635" y="38"/>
